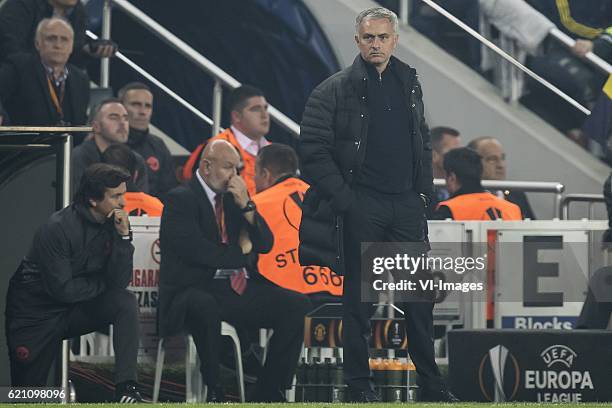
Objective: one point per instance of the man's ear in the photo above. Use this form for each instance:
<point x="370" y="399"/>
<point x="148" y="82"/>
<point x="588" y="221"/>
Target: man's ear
<point x="92" y="203"/>
<point x="356" y="38"/>
<point x="267" y="175"/>
<point x="235" y="116"/>
<point x="205" y="165"/>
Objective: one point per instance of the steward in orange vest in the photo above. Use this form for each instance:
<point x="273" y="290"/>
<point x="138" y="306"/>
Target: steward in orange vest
<point x="468" y="200"/>
<point x="478" y="205"/>
<point x="281" y="207"/>
<point x="138" y="204"/>
<point x="249" y="117"/>
<point x="279" y="202"/>
<point x="463" y="167"/>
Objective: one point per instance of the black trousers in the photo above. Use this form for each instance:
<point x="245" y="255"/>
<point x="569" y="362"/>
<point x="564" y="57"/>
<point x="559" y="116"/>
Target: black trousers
<point x="203" y="322"/>
<point x="262" y="305"/>
<point x="374" y="218"/>
<point x="597" y="307"/>
<point x="118" y="307"/>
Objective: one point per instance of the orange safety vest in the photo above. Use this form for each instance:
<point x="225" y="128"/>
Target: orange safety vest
<point x="248" y="160"/>
<point x="482" y="207"/>
<point x="137" y="204"/>
<point x="281" y="208"/>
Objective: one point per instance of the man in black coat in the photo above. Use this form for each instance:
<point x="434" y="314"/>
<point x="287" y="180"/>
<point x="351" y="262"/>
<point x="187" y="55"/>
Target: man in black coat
<point x="366" y="152"/>
<point x="138" y="100"/>
<point x="73" y="281"/>
<point x="19" y="19"/>
<point x="109" y="125"/>
<point x="210" y="236"/>
<point x="43" y="89"/>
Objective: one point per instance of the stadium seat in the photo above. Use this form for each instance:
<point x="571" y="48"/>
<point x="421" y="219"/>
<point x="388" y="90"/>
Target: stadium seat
<point x="195" y="390"/>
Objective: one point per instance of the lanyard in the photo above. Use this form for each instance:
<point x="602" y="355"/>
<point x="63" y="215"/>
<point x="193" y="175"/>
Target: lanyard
<point x="57" y="102"/>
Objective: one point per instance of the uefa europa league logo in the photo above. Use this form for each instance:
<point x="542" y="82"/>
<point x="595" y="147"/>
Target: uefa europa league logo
<point x="498" y="356"/>
<point x="501" y="389"/>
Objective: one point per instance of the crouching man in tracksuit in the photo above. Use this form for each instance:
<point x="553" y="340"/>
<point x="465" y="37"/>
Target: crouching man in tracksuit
<point x="73" y="281"/>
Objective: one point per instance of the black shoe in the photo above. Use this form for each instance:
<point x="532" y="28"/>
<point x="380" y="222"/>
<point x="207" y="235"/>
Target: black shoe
<point x="126" y="393"/>
<point x="215" y="394"/>
<point x="441" y="395"/>
<point x="358" y="395"/>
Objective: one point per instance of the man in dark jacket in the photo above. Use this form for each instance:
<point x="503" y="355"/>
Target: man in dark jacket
<point x="138" y="100"/>
<point x="366" y="152"/>
<point x="43" y="89"/>
<point x="73" y="281"/>
<point x="210" y="234"/>
<point x="19" y="18"/>
<point x="109" y="126"/>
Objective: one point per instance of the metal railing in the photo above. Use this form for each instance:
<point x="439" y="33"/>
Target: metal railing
<point x="526" y="186"/>
<point x="120" y="56"/>
<point x="221" y="77"/>
<point x="591" y="199"/>
<point x="591" y="57"/>
<point x="507" y="56"/>
<point x="512" y="81"/>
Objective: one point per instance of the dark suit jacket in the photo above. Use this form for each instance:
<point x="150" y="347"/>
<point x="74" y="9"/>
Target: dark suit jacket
<point x="191" y="248"/>
<point x="520" y="198"/>
<point x="24" y="93"/>
<point x="18" y="22"/>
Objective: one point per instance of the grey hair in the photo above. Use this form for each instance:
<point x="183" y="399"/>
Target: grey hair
<point x="50" y="20"/>
<point x="375" y="13"/>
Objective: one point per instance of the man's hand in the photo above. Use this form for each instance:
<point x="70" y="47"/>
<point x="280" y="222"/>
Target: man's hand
<point x="582" y="48"/>
<point x="245" y="242"/>
<point x="237" y="188"/>
<point x="105" y="49"/>
<point x="120" y="220"/>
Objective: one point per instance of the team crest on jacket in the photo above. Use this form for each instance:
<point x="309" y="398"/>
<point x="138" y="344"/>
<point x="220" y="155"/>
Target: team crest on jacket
<point x="22" y="353"/>
<point x="153" y="163"/>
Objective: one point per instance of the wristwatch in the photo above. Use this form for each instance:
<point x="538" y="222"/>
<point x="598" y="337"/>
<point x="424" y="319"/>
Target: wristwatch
<point x="250" y="206"/>
<point x="127" y="237"/>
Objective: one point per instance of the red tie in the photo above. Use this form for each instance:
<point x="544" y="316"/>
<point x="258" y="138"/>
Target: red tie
<point x="238" y="281"/>
<point x="220" y="218"/>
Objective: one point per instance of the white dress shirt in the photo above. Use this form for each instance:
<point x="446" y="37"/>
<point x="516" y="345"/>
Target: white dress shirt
<point x="249" y="145"/>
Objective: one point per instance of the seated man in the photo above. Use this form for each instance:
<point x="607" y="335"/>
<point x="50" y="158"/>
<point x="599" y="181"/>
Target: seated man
<point x="18" y="20"/>
<point x="137" y="203"/>
<point x="468" y="200"/>
<point x="73" y="281"/>
<point x="250" y="124"/>
<point x="138" y="100"/>
<point x="210" y="236"/>
<point x="43" y="89"/>
<point x="279" y="201"/>
<point x="109" y="125"/>
<point x="494" y="167"/>
<point x="443" y="139"/>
